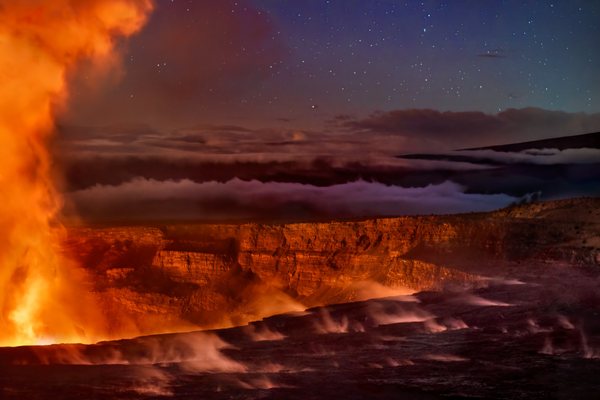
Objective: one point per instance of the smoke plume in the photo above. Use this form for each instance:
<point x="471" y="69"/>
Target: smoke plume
<point x="41" y="43"/>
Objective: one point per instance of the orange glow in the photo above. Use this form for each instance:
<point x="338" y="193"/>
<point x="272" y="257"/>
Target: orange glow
<point x="43" y="296"/>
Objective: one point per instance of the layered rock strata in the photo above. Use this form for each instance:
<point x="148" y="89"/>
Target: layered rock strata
<point x="229" y="273"/>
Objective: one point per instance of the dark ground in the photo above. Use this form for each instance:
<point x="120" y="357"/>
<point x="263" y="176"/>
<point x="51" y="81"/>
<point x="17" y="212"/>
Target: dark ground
<point x="511" y="340"/>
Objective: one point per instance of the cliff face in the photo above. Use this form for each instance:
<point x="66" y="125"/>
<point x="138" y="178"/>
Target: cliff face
<point x="232" y="273"/>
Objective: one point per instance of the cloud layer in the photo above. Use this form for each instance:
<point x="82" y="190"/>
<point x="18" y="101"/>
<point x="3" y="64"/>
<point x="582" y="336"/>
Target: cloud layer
<point x="474" y="128"/>
<point x="381" y="136"/>
<point x="146" y="199"/>
<point x="534" y="156"/>
<point x="361" y="167"/>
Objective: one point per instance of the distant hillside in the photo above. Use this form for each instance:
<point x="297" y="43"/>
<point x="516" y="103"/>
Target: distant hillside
<point x="589" y="140"/>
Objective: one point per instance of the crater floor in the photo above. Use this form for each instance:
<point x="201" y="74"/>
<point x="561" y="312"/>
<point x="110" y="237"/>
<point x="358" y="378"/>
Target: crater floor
<point x="508" y="340"/>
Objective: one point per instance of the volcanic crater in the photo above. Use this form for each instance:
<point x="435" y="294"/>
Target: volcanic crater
<point x="361" y="308"/>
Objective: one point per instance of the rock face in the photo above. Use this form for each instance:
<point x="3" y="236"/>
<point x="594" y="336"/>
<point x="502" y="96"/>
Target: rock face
<point x="230" y="273"/>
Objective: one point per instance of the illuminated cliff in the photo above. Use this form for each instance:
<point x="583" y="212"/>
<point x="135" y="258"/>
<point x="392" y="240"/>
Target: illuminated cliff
<point x="232" y="273"/>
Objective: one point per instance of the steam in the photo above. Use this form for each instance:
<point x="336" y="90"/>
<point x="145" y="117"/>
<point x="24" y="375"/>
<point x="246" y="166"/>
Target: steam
<point x="398" y="314"/>
<point x="548" y="348"/>
<point x="194" y="352"/>
<point x="156" y="362"/>
<point x="474" y="300"/>
<point x="327" y="324"/>
<point x="41" y="42"/>
<point x="444" y="358"/>
<point x="261" y="382"/>
<point x="263" y="333"/>
<point x="564" y="322"/>
<point x="151" y="381"/>
<point x="365" y="290"/>
<point x="588" y="351"/>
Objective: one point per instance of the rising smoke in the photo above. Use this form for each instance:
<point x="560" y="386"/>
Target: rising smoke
<point x="41" y="43"/>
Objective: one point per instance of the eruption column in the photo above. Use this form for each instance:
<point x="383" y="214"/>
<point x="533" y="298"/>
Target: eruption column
<point x="42" y="298"/>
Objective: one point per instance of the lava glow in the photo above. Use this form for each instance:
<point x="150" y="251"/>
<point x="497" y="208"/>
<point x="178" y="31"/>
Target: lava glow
<point x="42" y="296"/>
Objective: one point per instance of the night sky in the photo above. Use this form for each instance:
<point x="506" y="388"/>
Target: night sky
<point x="457" y="55"/>
<point x="266" y="62"/>
<point x="224" y="103"/>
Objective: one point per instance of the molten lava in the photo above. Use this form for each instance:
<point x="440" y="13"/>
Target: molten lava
<point x="42" y="295"/>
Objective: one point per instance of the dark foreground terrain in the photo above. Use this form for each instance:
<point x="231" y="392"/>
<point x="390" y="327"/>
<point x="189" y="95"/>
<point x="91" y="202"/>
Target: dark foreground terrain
<point x="509" y="340"/>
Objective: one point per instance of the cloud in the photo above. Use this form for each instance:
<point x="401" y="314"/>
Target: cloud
<point x="360" y="149"/>
<point x="221" y="154"/>
<point x="451" y="129"/>
<point x="147" y="199"/>
<point x="377" y="139"/>
<point x="534" y="156"/>
<point x="116" y="154"/>
<point x="426" y="122"/>
<point x="87" y="170"/>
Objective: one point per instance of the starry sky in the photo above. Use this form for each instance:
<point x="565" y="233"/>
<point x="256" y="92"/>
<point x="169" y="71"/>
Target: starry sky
<point x="453" y="55"/>
<point x="304" y="109"/>
<point x="276" y="62"/>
